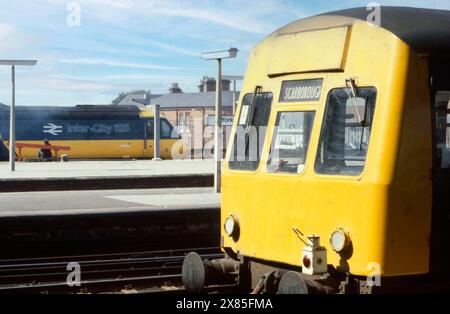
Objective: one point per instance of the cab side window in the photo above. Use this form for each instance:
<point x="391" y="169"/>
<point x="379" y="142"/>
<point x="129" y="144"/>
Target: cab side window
<point x="346" y="132"/>
<point x="442" y="130"/>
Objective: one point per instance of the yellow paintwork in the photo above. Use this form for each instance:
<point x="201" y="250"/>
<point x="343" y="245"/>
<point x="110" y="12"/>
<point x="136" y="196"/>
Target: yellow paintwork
<point x="305" y="55"/>
<point x="387" y="209"/>
<point x="96" y="149"/>
<point x="145" y="113"/>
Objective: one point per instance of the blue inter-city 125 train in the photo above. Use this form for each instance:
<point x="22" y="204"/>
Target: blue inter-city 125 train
<point x="91" y="131"/>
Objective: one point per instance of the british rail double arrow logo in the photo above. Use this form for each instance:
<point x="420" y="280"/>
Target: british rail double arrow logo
<point x="53" y="129"/>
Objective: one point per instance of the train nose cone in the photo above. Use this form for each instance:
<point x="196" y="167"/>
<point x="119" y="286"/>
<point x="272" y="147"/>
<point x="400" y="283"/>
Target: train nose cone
<point x="193" y="273"/>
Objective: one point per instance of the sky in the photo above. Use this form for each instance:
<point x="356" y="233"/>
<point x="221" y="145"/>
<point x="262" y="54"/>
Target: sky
<point x="91" y="50"/>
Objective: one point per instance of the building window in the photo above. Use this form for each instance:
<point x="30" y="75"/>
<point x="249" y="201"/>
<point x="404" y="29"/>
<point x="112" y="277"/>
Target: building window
<point x="181" y="122"/>
<point x="184" y="122"/>
<point x="187" y="122"/>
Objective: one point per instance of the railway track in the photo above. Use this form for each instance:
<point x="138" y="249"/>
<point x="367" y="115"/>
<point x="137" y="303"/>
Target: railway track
<point x="146" y="272"/>
<point x="96" y="232"/>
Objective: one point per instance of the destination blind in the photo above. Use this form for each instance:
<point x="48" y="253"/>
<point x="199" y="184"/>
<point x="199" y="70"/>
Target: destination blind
<point x="301" y="90"/>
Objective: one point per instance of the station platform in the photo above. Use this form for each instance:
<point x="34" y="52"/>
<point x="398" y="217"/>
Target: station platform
<point x="105" y="174"/>
<point x="106" y="202"/>
<point x="68" y="223"/>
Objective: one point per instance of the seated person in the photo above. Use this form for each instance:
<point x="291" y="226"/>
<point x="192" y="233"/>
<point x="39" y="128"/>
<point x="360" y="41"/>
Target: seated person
<point x="45" y="153"/>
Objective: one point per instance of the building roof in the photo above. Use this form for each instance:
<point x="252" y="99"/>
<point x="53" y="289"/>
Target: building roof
<point x="193" y="100"/>
<point x="135" y="99"/>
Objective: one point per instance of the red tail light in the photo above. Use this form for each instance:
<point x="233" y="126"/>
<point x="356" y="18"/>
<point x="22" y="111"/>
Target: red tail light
<point x="306" y="261"/>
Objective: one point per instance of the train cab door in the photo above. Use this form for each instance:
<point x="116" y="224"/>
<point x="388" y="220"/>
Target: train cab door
<point x="440" y="237"/>
<point x="148" y="138"/>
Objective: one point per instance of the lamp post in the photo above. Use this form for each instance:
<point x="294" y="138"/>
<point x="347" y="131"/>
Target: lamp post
<point x="219" y="56"/>
<point x="12" y="117"/>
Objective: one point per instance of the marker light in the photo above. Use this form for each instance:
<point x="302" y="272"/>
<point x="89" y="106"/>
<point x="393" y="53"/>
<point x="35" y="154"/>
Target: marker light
<point x="230" y="225"/>
<point x="306" y="261"/>
<point x="339" y="240"/>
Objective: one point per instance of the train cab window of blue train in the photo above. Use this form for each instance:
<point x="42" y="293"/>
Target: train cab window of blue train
<point x="251" y="131"/>
<point x="167" y="131"/>
<point x="346" y="132"/>
<point x="442" y="130"/>
<point x="290" y="142"/>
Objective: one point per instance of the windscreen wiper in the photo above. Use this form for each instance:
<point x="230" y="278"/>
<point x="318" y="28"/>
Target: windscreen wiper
<point x="366" y="106"/>
<point x="258" y="90"/>
<point x="249" y="122"/>
<point x="351" y="85"/>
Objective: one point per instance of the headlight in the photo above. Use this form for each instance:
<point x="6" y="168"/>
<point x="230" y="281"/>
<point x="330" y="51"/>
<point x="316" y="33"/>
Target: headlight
<point x="339" y="240"/>
<point x="230" y="226"/>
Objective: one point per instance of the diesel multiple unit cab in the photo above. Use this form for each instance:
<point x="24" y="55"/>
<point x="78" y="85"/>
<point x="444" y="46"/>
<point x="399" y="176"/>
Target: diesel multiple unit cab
<point x="91" y="131"/>
<point x="337" y="175"/>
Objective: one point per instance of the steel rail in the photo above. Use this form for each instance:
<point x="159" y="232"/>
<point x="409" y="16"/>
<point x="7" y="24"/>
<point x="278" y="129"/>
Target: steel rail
<point x="103" y="272"/>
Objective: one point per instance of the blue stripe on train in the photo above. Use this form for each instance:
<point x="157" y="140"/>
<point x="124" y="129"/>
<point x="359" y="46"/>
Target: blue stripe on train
<point x="76" y="130"/>
<point x="37" y="130"/>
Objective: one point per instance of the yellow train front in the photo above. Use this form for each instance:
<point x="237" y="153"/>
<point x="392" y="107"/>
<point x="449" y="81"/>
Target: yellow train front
<point x="91" y="131"/>
<point x="336" y="179"/>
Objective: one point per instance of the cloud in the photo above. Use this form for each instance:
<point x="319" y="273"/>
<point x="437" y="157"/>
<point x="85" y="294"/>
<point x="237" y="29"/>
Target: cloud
<point x="113" y="63"/>
<point x="119" y="4"/>
<point x="156" y="82"/>
<point x="62" y="83"/>
<point x="172" y="48"/>
<point x="12" y="40"/>
<point x="244" y="16"/>
<point x="6" y="30"/>
<point x="76" y="85"/>
<point x="146" y="77"/>
<point x="217" y="16"/>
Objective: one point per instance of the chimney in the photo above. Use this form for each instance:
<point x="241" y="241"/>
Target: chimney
<point x="175" y="89"/>
<point x="208" y="84"/>
<point x="148" y="98"/>
<point x="226" y="85"/>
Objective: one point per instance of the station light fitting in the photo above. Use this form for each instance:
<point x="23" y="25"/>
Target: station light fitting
<point x="220" y="54"/>
<point x="18" y="62"/>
